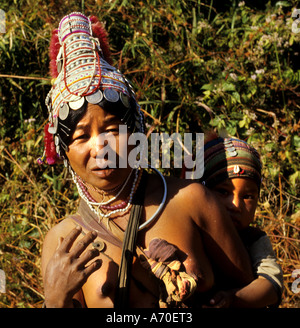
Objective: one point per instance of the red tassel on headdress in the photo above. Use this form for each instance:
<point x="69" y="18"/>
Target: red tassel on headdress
<point x="53" y="52"/>
<point x="50" y="150"/>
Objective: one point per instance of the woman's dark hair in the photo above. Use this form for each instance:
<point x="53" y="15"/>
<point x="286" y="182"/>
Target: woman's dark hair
<point x="66" y="128"/>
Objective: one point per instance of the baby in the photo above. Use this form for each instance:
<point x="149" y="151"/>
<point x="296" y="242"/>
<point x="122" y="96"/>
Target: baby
<point x="233" y="173"/>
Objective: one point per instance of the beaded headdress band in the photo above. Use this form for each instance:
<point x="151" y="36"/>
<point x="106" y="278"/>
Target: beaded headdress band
<point x="83" y="74"/>
<point x="230" y="158"/>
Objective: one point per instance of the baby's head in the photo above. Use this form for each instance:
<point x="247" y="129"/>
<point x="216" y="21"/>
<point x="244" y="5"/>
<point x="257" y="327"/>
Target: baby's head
<point x="232" y="170"/>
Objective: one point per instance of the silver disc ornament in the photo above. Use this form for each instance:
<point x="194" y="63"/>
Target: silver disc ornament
<point x="77" y="103"/>
<point x="111" y="95"/>
<point x="94" y="98"/>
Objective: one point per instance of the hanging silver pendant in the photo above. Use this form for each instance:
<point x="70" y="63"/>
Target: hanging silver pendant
<point x="53" y="127"/>
<point x="63" y="111"/>
<point x="125" y="99"/>
<point x="236" y="169"/>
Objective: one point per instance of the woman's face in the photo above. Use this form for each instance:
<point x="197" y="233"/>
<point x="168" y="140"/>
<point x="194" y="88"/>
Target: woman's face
<point x="96" y="147"/>
<point x="240" y="197"/>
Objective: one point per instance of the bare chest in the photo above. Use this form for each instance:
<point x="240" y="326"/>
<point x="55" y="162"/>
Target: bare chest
<point x="100" y="289"/>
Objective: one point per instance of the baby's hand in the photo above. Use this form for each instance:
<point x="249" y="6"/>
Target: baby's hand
<point x="222" y="299"/>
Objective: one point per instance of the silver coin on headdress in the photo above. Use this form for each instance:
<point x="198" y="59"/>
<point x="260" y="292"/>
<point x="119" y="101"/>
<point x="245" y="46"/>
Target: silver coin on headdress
<point x="77" y="103"/>
<point x="125" y="99"/>
<point x="63" y="111"/>
<point x="111" y="95"/>
<point x="95" y="98"/>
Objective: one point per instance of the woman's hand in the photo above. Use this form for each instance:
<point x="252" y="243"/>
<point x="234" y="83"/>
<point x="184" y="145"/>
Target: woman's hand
<point x="67" y="271"/>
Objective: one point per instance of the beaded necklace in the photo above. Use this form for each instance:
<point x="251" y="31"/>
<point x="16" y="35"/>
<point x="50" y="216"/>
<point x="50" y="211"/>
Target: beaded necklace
<point x="92" y="200"/>
<point x="96" y="207"/>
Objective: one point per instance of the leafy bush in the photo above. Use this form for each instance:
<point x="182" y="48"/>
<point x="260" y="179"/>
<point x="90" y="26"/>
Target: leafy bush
<point x="195" y="65"/>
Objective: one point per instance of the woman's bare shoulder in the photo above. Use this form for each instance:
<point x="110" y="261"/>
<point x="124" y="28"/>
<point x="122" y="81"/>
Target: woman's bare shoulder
<point x="187" y="190"/>
<point x="192" y="198"/>
<point x="61" y="229"/>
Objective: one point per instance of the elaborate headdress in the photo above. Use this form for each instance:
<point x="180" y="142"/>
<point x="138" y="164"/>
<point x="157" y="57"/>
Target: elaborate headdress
<point x="230" y="158"/>
<point x="81" y="65"/>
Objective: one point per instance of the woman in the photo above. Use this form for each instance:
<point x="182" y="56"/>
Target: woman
<point x="147" y="240"/>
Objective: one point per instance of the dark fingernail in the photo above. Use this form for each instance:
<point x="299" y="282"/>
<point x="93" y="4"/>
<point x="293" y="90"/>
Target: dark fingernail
<point x="98" y="263"/>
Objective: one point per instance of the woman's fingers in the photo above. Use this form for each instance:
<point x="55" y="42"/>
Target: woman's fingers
<point x="66" y="244"/>
<point x="83" y="243"/>
<point x="68" y="241"/>
<point x="79" y="252"/>
<point x="92" y="268"/>
<point x="86" y="257"/>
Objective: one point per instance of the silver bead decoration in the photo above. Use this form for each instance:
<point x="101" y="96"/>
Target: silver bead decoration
<point x="56" y="140"/>
<point x="230" y="149"/>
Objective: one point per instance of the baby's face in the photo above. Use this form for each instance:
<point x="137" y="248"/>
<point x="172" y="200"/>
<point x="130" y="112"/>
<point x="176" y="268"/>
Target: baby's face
<point x="240" y="197"/>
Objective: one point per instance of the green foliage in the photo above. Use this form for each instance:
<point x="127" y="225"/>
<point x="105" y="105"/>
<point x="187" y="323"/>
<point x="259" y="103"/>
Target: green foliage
<point x="195" y="65"/>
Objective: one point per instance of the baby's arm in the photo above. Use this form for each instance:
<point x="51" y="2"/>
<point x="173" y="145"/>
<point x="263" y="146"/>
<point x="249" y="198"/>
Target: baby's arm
<point x="265" y="290"/>
<point x="266" y="266"/>
<point x="258" y="294"/>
